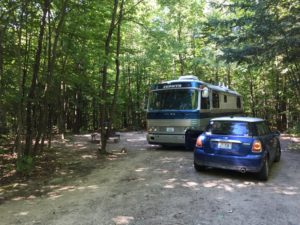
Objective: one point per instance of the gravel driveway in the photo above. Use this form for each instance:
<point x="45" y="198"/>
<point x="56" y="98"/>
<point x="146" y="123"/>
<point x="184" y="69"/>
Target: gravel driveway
<point x="148" y="185"/>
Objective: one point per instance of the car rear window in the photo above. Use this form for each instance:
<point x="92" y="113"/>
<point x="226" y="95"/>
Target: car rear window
<point x="229" y="128"/>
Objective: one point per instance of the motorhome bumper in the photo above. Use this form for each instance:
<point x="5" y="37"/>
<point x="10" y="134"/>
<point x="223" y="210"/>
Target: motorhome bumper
<point x="166" y="138"/>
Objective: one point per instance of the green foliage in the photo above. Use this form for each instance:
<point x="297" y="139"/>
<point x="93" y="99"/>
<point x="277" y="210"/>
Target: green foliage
<point x="25" y="165"/>
<point x="295" y="129"/>
<point x="252" y="46"/>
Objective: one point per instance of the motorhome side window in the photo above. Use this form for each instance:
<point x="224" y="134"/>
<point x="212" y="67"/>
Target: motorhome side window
<point x="216" y="103"/>
<point x="238" y="102"/>
<point x="225" y="98"/>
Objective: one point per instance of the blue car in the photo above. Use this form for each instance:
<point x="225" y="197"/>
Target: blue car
<point x="245" y="144"/>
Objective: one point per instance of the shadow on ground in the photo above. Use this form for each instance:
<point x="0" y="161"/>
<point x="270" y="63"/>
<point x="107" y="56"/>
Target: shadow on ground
<point x="68" y="161"/>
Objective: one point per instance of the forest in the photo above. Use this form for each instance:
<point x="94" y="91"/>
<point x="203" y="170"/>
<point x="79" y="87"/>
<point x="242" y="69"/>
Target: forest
<point x="71" y="66"/>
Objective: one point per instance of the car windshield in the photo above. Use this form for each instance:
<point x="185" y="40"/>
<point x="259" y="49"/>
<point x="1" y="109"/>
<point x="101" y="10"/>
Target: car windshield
<point x="175" y="99"/>
<point x="229" y="128"/>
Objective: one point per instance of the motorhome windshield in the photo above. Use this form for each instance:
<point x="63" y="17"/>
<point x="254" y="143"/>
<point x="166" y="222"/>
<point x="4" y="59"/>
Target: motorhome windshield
<point x="173" y="99"/>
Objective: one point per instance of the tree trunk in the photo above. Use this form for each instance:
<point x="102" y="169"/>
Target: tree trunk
<point x="117" y="61"/>
<point x="32" y="89"/>
<point x="95" y="113"/>
<point x="277" y="98"/>
<point x="1" y="61"/>
<point x="104" y="102"/>
<point x="138" y="99"/>
<point x="42" y="106"/>
<point x="52" y="52"/>
<point x="180" y="54"/>
<point x="252" y="97"/>
<point x="129" y="99"/>
<point x="22" y="78"/>
<point x="228" y="76"/>
<point x="62" y="111"/>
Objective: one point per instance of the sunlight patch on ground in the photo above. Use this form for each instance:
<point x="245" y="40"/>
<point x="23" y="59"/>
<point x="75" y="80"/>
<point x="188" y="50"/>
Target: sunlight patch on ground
<point x="18" y="198"/>
<point x="173" y="183"/>
<point x="66" y="188"/>
<point x="84" y="135"/>
<point x="190" y="184"/>
<point x="122" y="220"/>
<point x="210" y="184"/>
<point x="229" y="185"/>
<point x="172" y="159"/>
<point x="226" y="187"/>
<point x="87" y="156"/>
<point x="161" y="171"/>
<point x="25" y="213"/>
<point x="93" y="187"/>
<point x="245" y="184"/>
<point x="58" y="190"/>
<point x="219" y="185"/>
<point x="19" y="184"/>
<point x="112" y="157"/>
<point x="294" y="146"/>
<point x="79" y="144"/>
<point x="290" y="138"/>
<point x="31" y="197"/>
<point x="169" y="186"/>
<point x="171" y="180"/>
<point x="54" y="196"/>
<point x="69" y="145"/>
<point x="141" y="169"/>
<point x="287" y="190"/>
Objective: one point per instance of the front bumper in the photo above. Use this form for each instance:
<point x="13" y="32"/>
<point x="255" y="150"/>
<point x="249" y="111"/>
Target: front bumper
<point x="251" y="163"/>
<point x="166" y="139"/>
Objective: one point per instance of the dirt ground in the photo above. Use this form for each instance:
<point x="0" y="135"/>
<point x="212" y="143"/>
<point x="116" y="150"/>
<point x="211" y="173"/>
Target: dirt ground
<point x="148" y="185"/>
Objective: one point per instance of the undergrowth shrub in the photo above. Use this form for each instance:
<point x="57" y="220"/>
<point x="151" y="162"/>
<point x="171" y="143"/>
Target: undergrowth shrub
<point x="295" y="129"/>
<point x="25" y="165"/>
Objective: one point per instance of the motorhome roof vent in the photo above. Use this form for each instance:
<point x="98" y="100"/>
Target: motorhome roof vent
<point x="188" y="77"/>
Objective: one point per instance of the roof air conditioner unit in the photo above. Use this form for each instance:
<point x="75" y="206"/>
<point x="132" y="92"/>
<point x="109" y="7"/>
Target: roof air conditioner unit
<point x="188" y="77"/>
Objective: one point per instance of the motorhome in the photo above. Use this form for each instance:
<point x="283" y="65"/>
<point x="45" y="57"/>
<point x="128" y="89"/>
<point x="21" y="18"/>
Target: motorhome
<point x="179" y="110"/>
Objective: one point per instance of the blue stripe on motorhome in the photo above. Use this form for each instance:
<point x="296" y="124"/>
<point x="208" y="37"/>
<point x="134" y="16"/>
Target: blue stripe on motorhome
<point x="187" y="115"/>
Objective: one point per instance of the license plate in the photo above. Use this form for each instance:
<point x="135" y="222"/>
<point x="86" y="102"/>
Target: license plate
<point x="170" y="129"/>
<point x="224" y="145"/>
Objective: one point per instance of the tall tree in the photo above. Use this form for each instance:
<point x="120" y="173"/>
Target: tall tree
<point x="32" y="89"/>
<point x="104" y="122"/>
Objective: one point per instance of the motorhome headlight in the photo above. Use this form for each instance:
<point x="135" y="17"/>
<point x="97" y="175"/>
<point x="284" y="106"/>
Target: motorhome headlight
<point x="152" y="129"/>
<point x="189" y="128"/>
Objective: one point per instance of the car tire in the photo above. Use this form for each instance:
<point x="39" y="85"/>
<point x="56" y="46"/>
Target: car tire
<point x="263" y="174"/>
<point x="278" y="154"/>
<point x="199" y="168"/>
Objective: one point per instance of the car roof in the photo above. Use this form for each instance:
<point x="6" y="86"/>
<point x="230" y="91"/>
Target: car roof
<point x="238" y="118"/>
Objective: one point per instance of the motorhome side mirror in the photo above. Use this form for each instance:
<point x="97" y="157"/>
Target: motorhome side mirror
<point x="277" y="133"/>
<point x="205" y="93"/>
